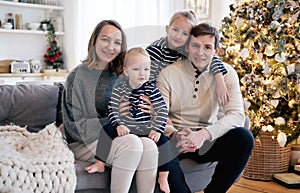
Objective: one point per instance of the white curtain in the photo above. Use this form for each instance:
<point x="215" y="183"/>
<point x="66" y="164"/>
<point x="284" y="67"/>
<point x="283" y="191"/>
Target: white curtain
<point x="219" y="9"/>
<point x="143" y="20"/>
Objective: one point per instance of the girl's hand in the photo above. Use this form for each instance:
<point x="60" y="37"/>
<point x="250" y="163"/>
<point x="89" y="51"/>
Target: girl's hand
<point x="124" y="108"/>
<point x="154" y="135"/>
<point x="122" y="130"/>
<point x="221" y="90"/>
<point x="146" y="108"/>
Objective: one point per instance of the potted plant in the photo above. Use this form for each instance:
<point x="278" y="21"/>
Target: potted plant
<point x="53" y="57"/>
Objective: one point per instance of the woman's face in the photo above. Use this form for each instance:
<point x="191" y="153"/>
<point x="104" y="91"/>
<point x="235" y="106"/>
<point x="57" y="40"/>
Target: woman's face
<point x="178" y="32"/>
<point x="108" y="44"/>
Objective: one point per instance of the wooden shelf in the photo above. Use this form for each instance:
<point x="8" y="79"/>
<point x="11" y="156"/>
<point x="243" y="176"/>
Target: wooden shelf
<point x="30" y="5"/>
<point x="21" y="31"/>
<point x="33" y="74"/>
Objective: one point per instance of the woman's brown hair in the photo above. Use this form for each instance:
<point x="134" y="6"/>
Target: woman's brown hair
<point x="91" y="60"/>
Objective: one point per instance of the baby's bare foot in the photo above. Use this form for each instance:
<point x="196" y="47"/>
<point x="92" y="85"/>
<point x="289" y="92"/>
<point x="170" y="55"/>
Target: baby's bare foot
<point x="98" y="166"/>
<point x="163" y="183"/>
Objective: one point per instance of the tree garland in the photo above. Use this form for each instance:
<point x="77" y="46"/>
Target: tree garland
<point x="261" y="40"/>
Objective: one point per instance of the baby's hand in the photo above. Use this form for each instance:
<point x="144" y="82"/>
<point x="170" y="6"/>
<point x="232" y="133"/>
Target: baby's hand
<point x="122" y="130"/>
<point x="154" y="135"/>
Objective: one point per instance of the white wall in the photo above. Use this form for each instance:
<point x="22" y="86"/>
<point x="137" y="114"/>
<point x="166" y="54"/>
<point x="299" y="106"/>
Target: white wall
<point x="143" y="21"/>
<point x="220" y="9"/>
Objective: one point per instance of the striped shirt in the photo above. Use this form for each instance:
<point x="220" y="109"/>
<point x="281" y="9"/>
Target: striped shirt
<point x="137" y="121"/>
<point x="162" y="56"/>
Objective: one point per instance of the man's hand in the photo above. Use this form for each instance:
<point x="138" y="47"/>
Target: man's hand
<point x="154" y="135"/>
<point x="122" y="130"/>
<point x="190" y="140"/>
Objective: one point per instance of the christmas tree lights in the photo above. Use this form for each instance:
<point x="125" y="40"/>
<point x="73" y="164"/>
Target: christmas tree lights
<point x="261" y="40"/>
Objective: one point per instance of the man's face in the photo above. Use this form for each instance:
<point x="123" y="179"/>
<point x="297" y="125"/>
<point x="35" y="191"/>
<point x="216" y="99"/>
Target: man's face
<point x="201" y="50"/>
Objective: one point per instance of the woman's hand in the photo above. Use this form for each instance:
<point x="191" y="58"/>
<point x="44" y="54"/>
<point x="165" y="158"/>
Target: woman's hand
<point x="154" y="135"/>
<point x="169" y="122"/>
<point x="124" y="107"/>
<point x="122" y="130"/>
<point x="146" y="108"/>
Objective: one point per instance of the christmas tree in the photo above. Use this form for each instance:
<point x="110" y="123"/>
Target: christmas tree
<point x="53" y="57"/>
<point x="261" y="40"/>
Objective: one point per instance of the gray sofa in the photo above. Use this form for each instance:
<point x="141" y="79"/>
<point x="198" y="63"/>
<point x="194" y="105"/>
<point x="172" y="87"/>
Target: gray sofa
<point x="36" y="106"/>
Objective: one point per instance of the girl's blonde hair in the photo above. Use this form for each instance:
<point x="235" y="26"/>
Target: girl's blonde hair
<point x="189" y="14"/>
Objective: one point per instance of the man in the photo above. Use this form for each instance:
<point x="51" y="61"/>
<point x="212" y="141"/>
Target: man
<point x="188" y="89"/>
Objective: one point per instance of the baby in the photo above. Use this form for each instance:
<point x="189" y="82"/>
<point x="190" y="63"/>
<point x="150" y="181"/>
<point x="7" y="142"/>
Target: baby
<point x="137" y="70"/>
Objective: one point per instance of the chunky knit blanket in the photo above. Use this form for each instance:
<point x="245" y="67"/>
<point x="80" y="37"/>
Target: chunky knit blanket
<point x="35" y="162"/>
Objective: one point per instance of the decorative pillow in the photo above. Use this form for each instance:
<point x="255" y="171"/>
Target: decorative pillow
<point x="35" y="162"/>
<point x="34" y="106"/>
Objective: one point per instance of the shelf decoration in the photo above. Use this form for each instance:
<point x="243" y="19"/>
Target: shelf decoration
<point x="261" y="40"/>
<point x="200" y="7"/>
<point x="53" y="57"/>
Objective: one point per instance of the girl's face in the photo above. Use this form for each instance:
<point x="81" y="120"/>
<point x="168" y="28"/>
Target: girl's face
<point x="108" y="44"/>
<point x="178" y="32"/>
<point x="201" y="50"/>
<point x="137" y="69"/>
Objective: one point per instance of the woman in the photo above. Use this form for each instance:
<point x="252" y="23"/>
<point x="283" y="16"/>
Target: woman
<point x="85" y="101"/>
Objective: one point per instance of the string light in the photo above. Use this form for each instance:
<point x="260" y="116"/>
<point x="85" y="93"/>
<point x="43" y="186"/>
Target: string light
<point x="261" y="40"/>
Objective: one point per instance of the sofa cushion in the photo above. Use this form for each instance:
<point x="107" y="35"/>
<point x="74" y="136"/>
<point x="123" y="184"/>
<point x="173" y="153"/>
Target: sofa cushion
<point x="197" y="175"/>
<point x="97" y="182"/>
<point x="87" y="181"/>
<point x="34" y="106"/>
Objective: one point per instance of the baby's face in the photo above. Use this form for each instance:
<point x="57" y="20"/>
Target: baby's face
<point x="137" y="69"/>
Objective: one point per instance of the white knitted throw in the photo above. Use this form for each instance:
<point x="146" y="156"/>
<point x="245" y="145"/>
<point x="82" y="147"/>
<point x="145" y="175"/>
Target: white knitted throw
<point x="35" y="162"/>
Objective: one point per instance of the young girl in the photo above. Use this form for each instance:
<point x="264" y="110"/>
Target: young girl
<point x="137" y="70"/>
<point x="171" y="48"/>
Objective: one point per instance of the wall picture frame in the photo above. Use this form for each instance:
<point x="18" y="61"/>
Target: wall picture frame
<point x="202" y="8"/>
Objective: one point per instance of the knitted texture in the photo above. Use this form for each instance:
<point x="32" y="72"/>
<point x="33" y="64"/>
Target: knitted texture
<point x="35" y="162"/>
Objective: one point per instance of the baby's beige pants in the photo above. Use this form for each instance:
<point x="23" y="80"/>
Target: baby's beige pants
<point x="128" y="154"/>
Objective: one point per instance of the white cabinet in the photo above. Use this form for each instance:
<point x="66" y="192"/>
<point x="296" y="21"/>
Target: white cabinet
<point x="32" y="78"/>
<point x="24" y="44"/>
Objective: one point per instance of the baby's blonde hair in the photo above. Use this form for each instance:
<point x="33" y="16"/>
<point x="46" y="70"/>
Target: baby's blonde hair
<point x="135" y="51"/>
<point x="189" y="14"/>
